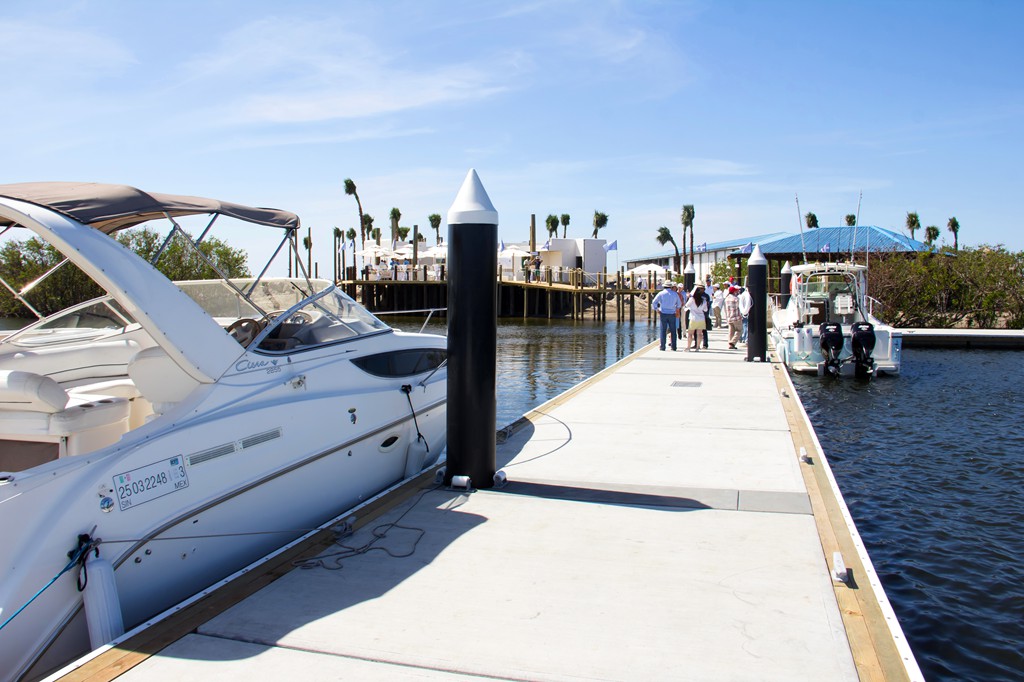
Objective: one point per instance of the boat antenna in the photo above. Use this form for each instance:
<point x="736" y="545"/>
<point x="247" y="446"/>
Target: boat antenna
<point x="800" y="222"/>
<point x="856" y="221"/>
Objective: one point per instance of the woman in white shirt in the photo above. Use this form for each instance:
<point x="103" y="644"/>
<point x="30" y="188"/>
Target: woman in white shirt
<point x="698" y="307"/>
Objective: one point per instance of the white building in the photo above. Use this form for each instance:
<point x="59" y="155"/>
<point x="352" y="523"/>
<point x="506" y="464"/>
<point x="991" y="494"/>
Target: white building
<point x="558" y="256"/>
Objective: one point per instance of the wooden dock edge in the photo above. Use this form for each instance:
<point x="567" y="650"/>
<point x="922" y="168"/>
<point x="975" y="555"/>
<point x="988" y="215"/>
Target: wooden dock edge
<point x="879" y="647"/>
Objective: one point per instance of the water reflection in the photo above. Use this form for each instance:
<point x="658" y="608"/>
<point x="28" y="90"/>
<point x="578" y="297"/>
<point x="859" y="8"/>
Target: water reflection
<point x="539" y="359"/>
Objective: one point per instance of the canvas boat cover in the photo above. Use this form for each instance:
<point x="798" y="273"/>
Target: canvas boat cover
<point x="110" y="208"/>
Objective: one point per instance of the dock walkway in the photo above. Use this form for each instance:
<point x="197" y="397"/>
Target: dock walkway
<point x="658" y="524"/>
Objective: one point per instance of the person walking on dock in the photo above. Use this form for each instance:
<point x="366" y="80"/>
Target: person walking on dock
<point x="746" y="303"/>
<point x="717" y="299"/>
<point x="697" y="307"/>
<point x="681" y="292"/>
<point x="666" y="303"/>
<point x="733" y="316"/>
<point x="709" y="291"/>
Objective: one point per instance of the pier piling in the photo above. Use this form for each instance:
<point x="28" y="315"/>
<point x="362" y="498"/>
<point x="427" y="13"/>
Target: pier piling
<point x="757" y="323"/>
<point x="472" y="334"/>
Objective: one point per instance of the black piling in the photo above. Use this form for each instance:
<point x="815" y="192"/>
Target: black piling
<point x="785" y="283"/>
<point x="689" y="276"/>
<point x="757" y="319"/>
<point x="472" y="335"/>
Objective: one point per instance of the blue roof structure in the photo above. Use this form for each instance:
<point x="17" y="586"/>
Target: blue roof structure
<point x="839" y="240"/>
<point x="716" y="246"/>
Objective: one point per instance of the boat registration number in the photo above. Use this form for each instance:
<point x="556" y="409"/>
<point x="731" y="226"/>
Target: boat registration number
<point x="141" y="485"/>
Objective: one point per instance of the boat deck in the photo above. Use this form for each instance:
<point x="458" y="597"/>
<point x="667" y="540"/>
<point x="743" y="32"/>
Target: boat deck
<point x="658" y="523"/>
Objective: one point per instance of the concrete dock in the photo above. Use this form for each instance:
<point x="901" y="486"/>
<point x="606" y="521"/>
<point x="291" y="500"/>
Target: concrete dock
<point x="671" y="518"/>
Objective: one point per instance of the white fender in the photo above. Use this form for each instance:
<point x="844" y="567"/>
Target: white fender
<point x="102" y="605"/>
<point x="415" y="455"/>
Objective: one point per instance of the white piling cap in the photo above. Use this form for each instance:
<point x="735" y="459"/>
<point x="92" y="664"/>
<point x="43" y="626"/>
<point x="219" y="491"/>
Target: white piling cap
<point x="787" y="269"/>
<point x="689" y="268"/>
<point x="472" y="205"/>
<point x="756" y="257"/>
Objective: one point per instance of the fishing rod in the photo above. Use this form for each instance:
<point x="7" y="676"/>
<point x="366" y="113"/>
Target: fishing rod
<point x="800" y="222"/>
<point x="856" y="222"/>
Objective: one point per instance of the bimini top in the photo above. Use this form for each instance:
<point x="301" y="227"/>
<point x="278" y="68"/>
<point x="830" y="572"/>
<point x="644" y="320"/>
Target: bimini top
<point x="110" y="208"/>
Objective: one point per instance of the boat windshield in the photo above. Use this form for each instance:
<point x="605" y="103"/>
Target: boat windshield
<point x="328" y="317"/>
<point x="99" y="318"/>
<point x="223" y="302"/>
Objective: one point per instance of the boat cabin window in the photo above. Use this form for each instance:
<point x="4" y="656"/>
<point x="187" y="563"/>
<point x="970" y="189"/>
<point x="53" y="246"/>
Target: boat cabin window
<point x="328" y="317"/>
<point x="98" y="318"/>
<point x="402" y="363"/>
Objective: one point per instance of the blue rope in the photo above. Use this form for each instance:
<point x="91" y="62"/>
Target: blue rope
<point x="79" y="553"/>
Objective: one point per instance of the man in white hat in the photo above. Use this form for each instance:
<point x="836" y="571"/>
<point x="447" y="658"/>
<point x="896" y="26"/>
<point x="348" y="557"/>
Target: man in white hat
<point x="733" y="315"/>
<point x="666" y="303"/>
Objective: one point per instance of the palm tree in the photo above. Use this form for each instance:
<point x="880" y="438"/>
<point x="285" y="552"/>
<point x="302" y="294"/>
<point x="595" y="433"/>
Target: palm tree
<point x="307" y="243"/>
<point x="350" y="189"/>
<point x="435" y="222"/>
<point x="396" y="215"/>
<point x="403" y="232"/>
<point x="368" y="227"/>
<point x="811" y="220"/>
<point x="931" y="233"/>
<point x="913" y="223"/>
<point x="954" y="226"/>
<point x="600" y="220"/>
<point x="851" y="220"/>
<point x="552" y="222"/>
<point x="337" y="252"/>
<point x="665" y="237"/>
<point x="565" y="224"/>
<point x="686" y="217"/>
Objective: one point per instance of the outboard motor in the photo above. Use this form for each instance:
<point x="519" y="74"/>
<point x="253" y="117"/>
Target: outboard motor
<point x="863" y="343"/>
<point x="830" y="337"/>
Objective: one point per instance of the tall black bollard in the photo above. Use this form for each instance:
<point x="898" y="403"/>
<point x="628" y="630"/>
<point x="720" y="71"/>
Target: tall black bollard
<point x="757" y="319"/>
<point x="689" y="276"/>
<point x="472" y="334"/>
<point x="785" y="284"/>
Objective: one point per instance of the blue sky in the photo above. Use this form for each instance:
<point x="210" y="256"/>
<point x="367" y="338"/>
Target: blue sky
<point x="630" y="108"/>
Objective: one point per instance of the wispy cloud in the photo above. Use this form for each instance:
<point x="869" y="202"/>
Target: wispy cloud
<point x="62" y="57"/>
<point x="296" y="71"/>
<point x="709" y="167"/>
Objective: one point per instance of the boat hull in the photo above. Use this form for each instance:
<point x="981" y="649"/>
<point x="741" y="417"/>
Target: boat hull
<point x="804" y="354"/>
<point x="291" y="467"/>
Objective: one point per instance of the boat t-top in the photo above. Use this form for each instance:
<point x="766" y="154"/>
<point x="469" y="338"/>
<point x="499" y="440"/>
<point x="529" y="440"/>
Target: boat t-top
<point x="825" y="324"/>
<point x="160" y="437"/>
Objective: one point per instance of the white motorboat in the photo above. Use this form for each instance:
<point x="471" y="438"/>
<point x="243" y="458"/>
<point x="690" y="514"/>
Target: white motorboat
<point x="827" y="326"/>
<point x="163" y="436"/>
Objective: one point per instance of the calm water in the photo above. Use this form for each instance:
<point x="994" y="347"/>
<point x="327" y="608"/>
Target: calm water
<point x="931" y="465"/>
<point x="541" y="359"/>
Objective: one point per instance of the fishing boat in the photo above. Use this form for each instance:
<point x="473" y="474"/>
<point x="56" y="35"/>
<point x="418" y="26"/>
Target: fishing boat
<point x="825" y="325"/>
<point x="164" y="435"/>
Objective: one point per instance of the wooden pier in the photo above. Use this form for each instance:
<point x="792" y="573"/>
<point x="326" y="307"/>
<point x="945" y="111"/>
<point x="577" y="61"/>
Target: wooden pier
<point x="570" y="294"/>
<point x="672" y="517"/>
